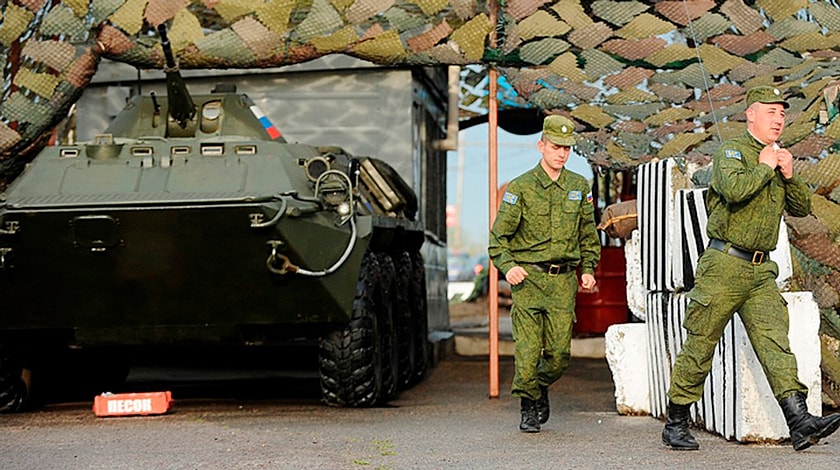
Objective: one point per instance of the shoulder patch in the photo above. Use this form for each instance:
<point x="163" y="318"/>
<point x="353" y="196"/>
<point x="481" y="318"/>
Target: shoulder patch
<point x="589" y="197"/>
<point x="575" y="196"/>
<point x="510" y="198"/>
<point x="729" y="153"/>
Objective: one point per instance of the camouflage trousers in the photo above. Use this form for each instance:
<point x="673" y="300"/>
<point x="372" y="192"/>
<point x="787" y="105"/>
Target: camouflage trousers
<point x="725" y="285"/>
<point x="542" y="314"/>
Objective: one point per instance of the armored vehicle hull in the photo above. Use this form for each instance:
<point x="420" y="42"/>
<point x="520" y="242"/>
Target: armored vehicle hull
<point x="203" y="226"/>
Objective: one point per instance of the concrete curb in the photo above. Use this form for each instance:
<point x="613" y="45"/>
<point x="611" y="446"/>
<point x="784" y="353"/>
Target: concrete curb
<point x="473" y="339"/>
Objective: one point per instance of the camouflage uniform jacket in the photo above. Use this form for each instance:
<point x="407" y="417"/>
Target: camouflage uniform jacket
<point x="541" y="220"/>
<point x="746" y="198"/>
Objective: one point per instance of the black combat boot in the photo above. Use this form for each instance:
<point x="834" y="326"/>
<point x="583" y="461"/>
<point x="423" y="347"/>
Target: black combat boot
<point x="543" y="408"/>
<point x="805" y="428"/>
<point x="529" y="422"/>
<point x="676" y="434"/>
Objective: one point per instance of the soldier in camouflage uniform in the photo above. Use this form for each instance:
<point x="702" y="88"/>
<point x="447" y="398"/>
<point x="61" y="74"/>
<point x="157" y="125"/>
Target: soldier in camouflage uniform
<point x="753" y="183"/>
<point x="544" y="230"/>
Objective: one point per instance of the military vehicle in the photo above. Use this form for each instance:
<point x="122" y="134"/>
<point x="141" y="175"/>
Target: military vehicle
<point x="192" y="221"/>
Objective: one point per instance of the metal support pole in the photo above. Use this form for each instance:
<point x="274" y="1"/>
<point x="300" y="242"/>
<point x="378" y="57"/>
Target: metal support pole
<point x="493" y="152"/>
<point x="493" y="295"/>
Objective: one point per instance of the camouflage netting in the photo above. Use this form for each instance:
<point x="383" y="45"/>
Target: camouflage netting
<point x="641" y="79"/>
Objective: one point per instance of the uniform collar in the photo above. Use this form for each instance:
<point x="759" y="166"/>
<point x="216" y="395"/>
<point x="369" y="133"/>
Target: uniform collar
<point x="543" y="178"/>
<point x="754" y="143"/>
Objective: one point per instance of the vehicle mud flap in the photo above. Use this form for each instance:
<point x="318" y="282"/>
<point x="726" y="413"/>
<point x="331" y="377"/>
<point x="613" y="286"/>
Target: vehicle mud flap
<point x="419" y="316"/>
<point x="403" y="324"/>
<point x="386" y="337"/>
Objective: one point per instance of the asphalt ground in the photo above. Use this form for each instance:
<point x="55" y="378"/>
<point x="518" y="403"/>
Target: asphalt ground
<point x="232" y="420"/>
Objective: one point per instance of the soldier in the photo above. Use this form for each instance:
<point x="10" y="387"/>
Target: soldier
<point x="753" y="183"/>
<point x="544" y="230"/>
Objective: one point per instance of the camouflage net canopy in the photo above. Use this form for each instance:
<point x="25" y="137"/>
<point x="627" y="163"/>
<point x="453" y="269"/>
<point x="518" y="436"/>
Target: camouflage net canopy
<point x="644" y="79"/>
<point x="641" y="79"/>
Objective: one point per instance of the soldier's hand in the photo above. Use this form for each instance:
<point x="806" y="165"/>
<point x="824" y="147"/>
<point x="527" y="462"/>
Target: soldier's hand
<point x="769" y="156"/>
<point x="587" y="281"/>
<point x="785" y="162"/>
<point x="516" y="275"/>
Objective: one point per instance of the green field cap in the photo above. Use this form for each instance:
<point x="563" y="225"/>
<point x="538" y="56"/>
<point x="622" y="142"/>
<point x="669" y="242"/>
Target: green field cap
<point x="558" y="130"/>
<point x="765" y="94"/>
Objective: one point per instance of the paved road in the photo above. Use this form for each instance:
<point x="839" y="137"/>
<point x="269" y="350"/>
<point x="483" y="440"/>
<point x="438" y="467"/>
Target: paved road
<point x="447" y="422"/>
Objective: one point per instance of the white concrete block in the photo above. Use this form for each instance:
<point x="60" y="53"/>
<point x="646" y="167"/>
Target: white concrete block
<point x="690" y="238"/>
<point x="762" y="418"/>
<point x="737" y="402"/>
<point x="626" y="352"/>
<point x="781" y="255"/>
<point x="656" y="182"/>
<point x="636" y="292"/>
<point x="664" y="340"/>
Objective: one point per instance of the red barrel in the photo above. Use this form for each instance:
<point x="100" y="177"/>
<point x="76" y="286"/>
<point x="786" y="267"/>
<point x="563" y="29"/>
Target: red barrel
<point x="607" y="304"/>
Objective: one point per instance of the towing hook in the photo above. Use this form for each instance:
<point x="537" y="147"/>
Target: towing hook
<point x="278" y="263"/>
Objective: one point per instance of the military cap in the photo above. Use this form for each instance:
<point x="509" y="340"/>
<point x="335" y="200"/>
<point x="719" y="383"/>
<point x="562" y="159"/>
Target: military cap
<point x="558" y="130"/>
<point x="765" y="94"/>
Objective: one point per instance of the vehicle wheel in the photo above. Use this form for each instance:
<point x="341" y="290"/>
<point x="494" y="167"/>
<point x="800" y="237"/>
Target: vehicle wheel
<point x="387" y="333"/>
<point x="350" y="359"/>
<point x="14" y="386"/>
<point x="420" y="318"/>
<point x="403" y="325"/>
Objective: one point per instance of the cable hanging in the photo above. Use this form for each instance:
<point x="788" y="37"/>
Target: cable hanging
<point x="703" y="71"/>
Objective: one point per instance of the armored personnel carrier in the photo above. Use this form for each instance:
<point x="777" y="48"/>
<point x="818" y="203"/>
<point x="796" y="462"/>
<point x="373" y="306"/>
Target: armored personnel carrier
<point x="192" y="221"/>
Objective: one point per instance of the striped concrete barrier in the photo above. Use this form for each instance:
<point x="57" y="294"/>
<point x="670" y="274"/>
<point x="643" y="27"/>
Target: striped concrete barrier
<point x="737" y="401"/>
<point x="661" y="259"/>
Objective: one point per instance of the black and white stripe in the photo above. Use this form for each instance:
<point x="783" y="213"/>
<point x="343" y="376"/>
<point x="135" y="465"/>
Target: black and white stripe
<point x="655" y="212"/>
<point x="716" y="410"/>
<point x="672" y="229"/>
<point x="659" y="362"/>
<point x="690" y="240"/>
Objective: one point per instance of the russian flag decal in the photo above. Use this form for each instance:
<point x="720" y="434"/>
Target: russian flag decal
<point x="269" y="127"/>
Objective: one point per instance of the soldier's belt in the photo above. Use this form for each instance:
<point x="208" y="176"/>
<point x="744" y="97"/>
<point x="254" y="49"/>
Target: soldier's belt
<point x="754" y="257"/>
<point x="553" y="269"/>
